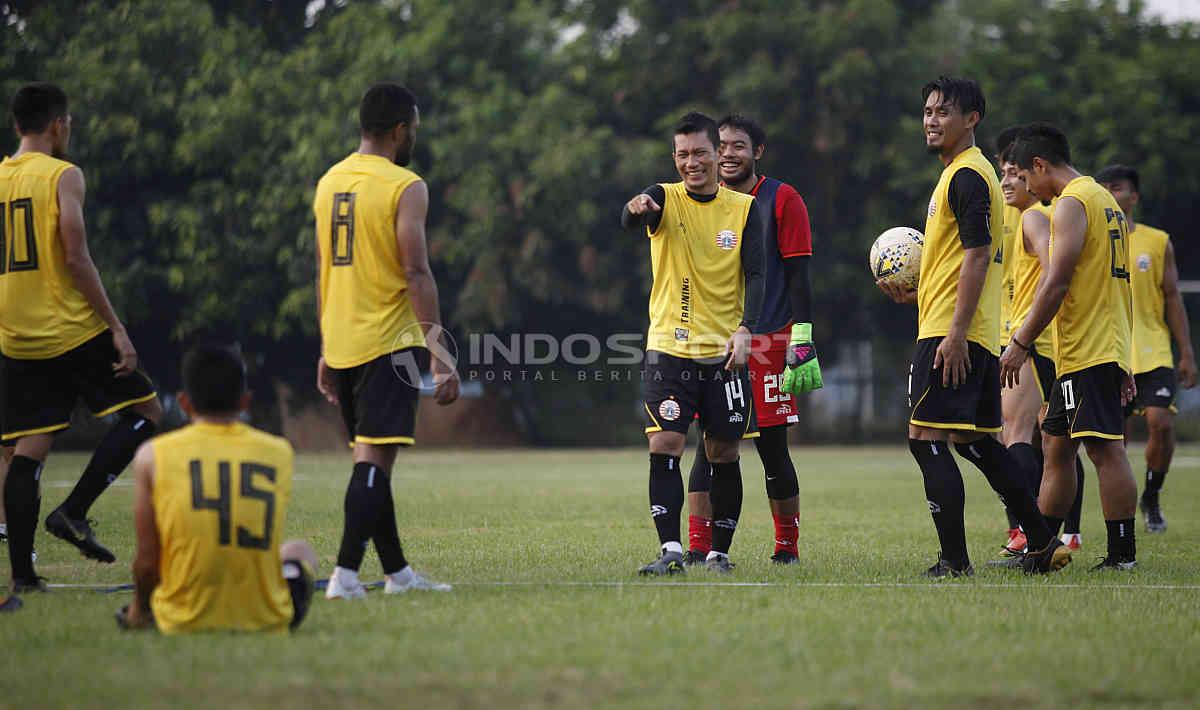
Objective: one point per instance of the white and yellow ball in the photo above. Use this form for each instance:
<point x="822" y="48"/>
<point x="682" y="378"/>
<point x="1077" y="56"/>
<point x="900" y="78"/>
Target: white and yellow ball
<point x="896" y="256"/>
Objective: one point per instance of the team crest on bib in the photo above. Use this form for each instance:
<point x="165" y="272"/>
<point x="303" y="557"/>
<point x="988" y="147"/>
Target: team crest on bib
<point x="726" y="239"/>
<point x="1143" y="262"/>
<point x="669" y="410"/>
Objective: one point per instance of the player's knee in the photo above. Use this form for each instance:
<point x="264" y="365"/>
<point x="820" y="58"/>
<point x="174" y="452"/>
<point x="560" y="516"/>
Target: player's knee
<point x="150" y="410"/>
<point x="299" y="551"/>
<point x="782" y="485"/>
<point x="720" y="451"/>
<point x="1159" y="421"/>
<point x="669" y="443"/>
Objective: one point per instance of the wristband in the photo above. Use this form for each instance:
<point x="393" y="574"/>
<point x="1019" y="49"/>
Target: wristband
<point x="1019" y="344"/>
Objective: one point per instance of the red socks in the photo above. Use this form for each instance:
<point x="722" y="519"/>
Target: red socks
<point x="787" y="533"/>
<point x="699" y="534"/>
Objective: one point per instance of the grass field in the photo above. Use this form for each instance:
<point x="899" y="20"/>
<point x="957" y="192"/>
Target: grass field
<point x="547" y="612"/>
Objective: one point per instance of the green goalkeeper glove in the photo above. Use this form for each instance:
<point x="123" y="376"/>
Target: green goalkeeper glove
<point x="803" y="373"/>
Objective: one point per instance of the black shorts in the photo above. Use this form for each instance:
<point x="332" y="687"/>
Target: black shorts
<point x="39" y="395"/>
<point x="1087" y="403"/>
<point x="1043" y="372"/>
<point x="1155" y="388"/>
<point x="301" y="584"/>
<point x="973" y="406"/>
<point x="679" y="389"/>
<point x="378" y="399"/>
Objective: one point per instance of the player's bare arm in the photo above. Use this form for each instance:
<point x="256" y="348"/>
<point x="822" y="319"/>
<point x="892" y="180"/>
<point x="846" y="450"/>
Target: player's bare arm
<point x="73" y="233"/>
<point x="325" y="379"/>
<point x="137" y="615"/>
<point x="1177" y="319"/>
<point x="952" y="356"/>
<point x="422" y="288"/>
<point x="1070" y="229"/>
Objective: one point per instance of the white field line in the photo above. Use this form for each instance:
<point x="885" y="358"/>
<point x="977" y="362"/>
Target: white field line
<point x="961" y="586"/>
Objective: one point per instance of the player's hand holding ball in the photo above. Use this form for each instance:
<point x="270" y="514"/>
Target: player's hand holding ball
<point x="803" y="373"/>
<point x="896" y="263"/>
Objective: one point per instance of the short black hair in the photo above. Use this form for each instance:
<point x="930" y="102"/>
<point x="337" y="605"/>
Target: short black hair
<point x="1040" y="140"/>
<point x="737" y="121"/>
<point x="696" y="122"/>
<point x="963" y="93"/>
<point x="35" y="106"/>
<point x="214" y="378"/>
<point x="1117" y="173"/>
<point x="385" y="106"/>
<point x="1004" y="141"/>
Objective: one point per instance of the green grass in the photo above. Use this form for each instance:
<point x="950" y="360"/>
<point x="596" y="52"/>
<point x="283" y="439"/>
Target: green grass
<point x="820" y="637"/>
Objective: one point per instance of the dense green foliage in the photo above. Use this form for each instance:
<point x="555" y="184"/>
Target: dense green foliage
<point x="548" y="613"/>
<point x="203" y="127"/>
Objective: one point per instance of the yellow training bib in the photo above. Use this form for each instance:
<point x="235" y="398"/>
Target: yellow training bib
<point x="1151" y="336"/>
<point x="697" y="299"/>
<point x="1094" y="324"/>
<point x="942" y="257"/>
<point x="221" y="495"/>
<point x="365" y="308"/>
<point x="42" y="314"/>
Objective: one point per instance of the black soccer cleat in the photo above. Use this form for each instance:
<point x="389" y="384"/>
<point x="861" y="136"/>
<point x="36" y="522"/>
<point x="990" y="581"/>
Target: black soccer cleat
<point x="670" y="563"/>
<point x="783" y="557"/>
<point x="1053" y="557"/>
<point x="21" y="585"/>
<point x="1119" y="564"/>
<point x="11" y="603"/>
<point x="693" y="558"/>
<point x="78" y="533"/>
<point x="720" y="564"/>
<point x="1155" y="522"/>
<point x="1007" y="562"/>
<point x="942" y="569"/>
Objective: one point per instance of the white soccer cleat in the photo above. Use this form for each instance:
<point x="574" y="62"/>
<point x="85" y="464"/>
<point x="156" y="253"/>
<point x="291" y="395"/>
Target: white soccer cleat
<point x="407" y="580"/>
<point x="344" y="584"/>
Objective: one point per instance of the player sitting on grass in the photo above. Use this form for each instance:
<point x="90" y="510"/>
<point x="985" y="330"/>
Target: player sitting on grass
<point x="210" y="505"/>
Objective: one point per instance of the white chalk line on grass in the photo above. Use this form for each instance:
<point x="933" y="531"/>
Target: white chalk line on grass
<point x="753" y="585"/>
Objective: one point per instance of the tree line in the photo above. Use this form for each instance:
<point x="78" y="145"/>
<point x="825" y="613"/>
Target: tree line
<point x="203" y="127"/>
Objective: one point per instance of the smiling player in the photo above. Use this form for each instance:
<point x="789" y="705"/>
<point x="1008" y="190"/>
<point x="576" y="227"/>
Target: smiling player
<point x="784" y="361"/>
<point x="954" y="390"/>
<point x="706" y="255"/>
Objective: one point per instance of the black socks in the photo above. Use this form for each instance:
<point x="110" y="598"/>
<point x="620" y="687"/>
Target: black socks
<point x="1154" y="484"/>
<point x="1004" y="476"/>
<point x="1121" y="545"/>
<point x="22" y="506"/>
<point x="726" y="495"/>
<point x="666" y="496"/>
<point x="700" y="479"/>
<point x="946" y="497"/>
<point x="370" y="513"/>
<point x="111" y="457"/>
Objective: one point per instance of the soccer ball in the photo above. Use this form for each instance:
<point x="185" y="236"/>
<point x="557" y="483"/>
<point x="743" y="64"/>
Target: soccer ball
<point x="896" y="256"/>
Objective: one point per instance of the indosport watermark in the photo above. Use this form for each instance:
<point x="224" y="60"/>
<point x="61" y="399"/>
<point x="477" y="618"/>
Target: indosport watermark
<point x="578" y="357"/>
